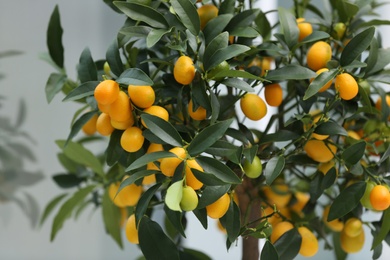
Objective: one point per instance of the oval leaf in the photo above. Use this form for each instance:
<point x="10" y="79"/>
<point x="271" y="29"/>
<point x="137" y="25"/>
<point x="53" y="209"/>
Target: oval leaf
<point x="273" y="168"/>
<point x="319" y="82"/>
<point x="210" y="194"/>
<point x="134" y="76"/>
<point x="86" y="69"/>
<point x="354" y="153"/>
<point x="330" y="128"/>
<point x="54" y="38"/>
<point x="220" y="170"/>
<point x="269" y="252"/>
<point x="149" y="157"/>
<point x="84" y="90"/>
<point x="356" y="46"/>
<point x="188" y="15"/>
<point x="143" y="203"/>
<point x="162" y="129"/>
<point x="225" y="54"/>
<point x="289" y="72"/>
<point x="288" y="244"/>
<point x="112" y="219"/>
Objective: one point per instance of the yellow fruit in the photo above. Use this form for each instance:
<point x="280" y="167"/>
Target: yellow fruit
<point x="316" y="114"/>
<point x="131" y="230"/>
<point x="352" y="244"/>
<point x="353" y="135"/>
<point x="123" y="125"/>
<point x="253" y="106"/>
<point x="104" y="108"/>
<point x="169" y="165"/>
<point x="279" y="229"/>
<point x="318" y="55"/>
<point x="153" y="147"/>
<point x="103" y="125"/>
<point x="184" y="70"/>
<point x="189" y="200"/>
<point x="132" y="139"/>
<point x="320" y="151"/>
<point x="328" y="84"/>
<point x="120" y="109"/>
<point x="199" y="114"/>
<point x="263" y="63"/>
<point x="380" y="197"/>
<point x="273" y="94"/>
<point x="326" y="166"/>
<point x="278" y="194"/>
<point x="191" y="180"/>
<point x="142" y="96"/>
<point x="353" y="227"/>
<point x="347" y="86"/>
<point x="305" y="29"/>
<point x="106" y="92"/>
<point x="335" y="225"/>
<point x="275" y="218"/>
<point x="156" y="111"/>
<point x="206" y="13"/>
<point x="302" y="199"/>
<point x="150" y="179"/>
<point x="124" y="216"/>
<point x="89" y="128"/>
<point x="128" y="196"/>
<point x="309" y="245"/>
<point x="378" y="103"/>
<point x="218" y="208"/>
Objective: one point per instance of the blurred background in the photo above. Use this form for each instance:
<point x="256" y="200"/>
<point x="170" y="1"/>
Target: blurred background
<point x="85" y="23"/>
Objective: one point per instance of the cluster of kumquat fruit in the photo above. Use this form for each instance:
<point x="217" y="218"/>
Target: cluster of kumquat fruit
<point x="174" y="97"/>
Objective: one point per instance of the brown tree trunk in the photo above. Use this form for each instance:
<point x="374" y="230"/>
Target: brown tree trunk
<point x="250" y="208"/>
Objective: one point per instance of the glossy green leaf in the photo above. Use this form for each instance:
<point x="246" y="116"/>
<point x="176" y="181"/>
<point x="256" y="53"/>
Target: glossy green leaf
<point x="135" y="177"/>
<point x="346" y="10"/>
<point x="154" y="242"/>
<point x="288" y="244"/>
<point x="134" y="76"/>
<point x="237" y="74"/>
<point x="330" y="128"/>
<point x="243" y="19"/>
<point x="215" y="107"/>
<point x="339" y="252"/>
<point x="280" y="136"/>
<point x="149" y="157"/>
<point x="78" y="125"/>
<point x="54" y="84"/>
<point x="201" y="215"/>
<point x="223" y="54"/>
<point x="245" y="32"/>
<point x="113" y="58"/>
<point x="319" y="82"/>
<point x="174" y="195"/>
<point x="290" y="72"/>
<point x="237" y="83"/>
<point x="162" y="129"/>
<point x="212" y="193"/>
<point x="289" y="26"/>
<point x="381" y="60"/>
<point x="139" y="31"/>
<point x="66" y="209"/>
<point x="218" y="169"/>
<point x="222" y="148"/>
<point x="208" y="179"/>
<point x="233" y="221"/>
<point x="114" y="150"/>
<point x="315" y="36"/>
<point x="191" y="254"/>
<point x="188" y="15"/>
<point x="142" y="13"/>
<point x="112" y="219"/>
<point x="176" y="219"/>
<point x="263" y="26"/>
<point x="207" y="137"/>
<point x="54" y="38"/>
<point x="79" y="154"/>
<point x="86" y="89"/>
<point x="50" y="207"/>
<point x="269" y="252"/>
<point x="347" y="200"/>
<point x="86" y="70"/>
<point x="219" y="42"/>
<point x="216" y="26"/>
<point x="155" y="36"/>
<point x="274" y="168"/>
<point x="143" y="203"/>
<point x="384" y="230"/>
<point x="354" y="153"/>
<point x="356" y="46"/>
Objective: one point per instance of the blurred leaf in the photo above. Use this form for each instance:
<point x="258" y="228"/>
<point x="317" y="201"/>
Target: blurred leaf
<point x="226" y="7"/>
<point x="155" y="36"/>
<point x="346" y="10"/>
<point x="263" y="26"/>
<point x="191" y="254"/>
<point x="173" y="196"/>
<point x="212" y="193"/>
<point x="114" y="150"/>
<point x="347" y="200"/>
<point x="139" y="31"/>
<point x="79" y="154"/>
<point x="86" y="69"/>
<point x="112" y="219"/>
<point x="201" y="215"/>
<point x="154" y="242"/>
<point x="113" y="58"/>
<point x="68" y="164"/>
<point x="315" y="36"/>
<point x="356" y="46"/>
<point x="339" y="252"/>
<point x="380" y="62"/>
<point x="86" y="89"/>
<point x="216" y="26"/>
<point x="273" y="168"/>
<point x="66" y="209"/>
<point x="269" y="252"/>
<point x="289" y="27"/>
<point x="188" y="15"/>
<point x="54" y="84"/>
<point x="143" y="203"/>
<point x="21" y="114"/>
<point x="175" y="217"/>
<point x="50" y="207"/>
<point x="233" y="221"/>
<point x="78" y="125"/>
<point x="207" y="137"/>
<point x="149" y="157"/>
<point x="54" y="38"/>
<point x="223" y="54"/>
<point x="330" y="128"/>
<point x="354" y="153"/>
<point x="288" y="244"/>
<point x="290" y="72"/>
<point x="162" y="129"/>
<point x="143" y="13"/>
<point x="384" y="230"/>
<point x="318" y="82"/>
<point x="67" y="180"/>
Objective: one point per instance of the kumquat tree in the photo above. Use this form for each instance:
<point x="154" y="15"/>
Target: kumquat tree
<point x="173" y="100"/>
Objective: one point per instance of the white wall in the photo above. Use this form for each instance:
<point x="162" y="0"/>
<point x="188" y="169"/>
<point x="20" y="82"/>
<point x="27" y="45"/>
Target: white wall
<point x="90" y="23"/>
